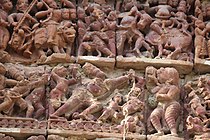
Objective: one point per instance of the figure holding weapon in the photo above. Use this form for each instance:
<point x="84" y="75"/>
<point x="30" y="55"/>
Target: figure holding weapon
<point x="22" y="21"/>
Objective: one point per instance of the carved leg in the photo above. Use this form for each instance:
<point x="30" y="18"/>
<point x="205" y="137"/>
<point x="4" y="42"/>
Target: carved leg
<point x="56" y="49"/>
<point x="40" y="110"/>
<point x="155" y="118"/>
<point x="171" y="114"/>
<point x="30" y="110"/>
<point x="106" y="51"/>
<point x="81" y="49"/>
<point x="70" y="106"/>
<point x="93" y="108"/>
<point x="21" y="103"/>
<point x="4" y="38"/>
<point x="99" y="53"/>
<point x="112" y="46"/>
<point x="42" y="56"/>
<point x="120" y="37"/>
<point x="174" y="54"/>
<point x="138" y="46"/>
<point x="106" y="114"/>
<point x="62" y="50"/>
<point x="160" y="51"/>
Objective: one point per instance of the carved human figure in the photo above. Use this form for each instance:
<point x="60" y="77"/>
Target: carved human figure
<point x="133" y="123"/>
<point x="92" y="71"/>
<point x="53" y="18"/>
<point x="194" y="125"/>
<point x="95" y="41"/>
<point x="167" y="94"/>
<point x="113" y="109"/>
<point x="110" y="27"/>
<point x="80" y="98"/>
<point x="56" y="40"/>
<point x="21" y="40"/>
<point x="57" y="94"/>
<point x="5" y="7"/>
<point x="35" y="100"/>
<point x="200" y="41"/>
<point x="181" y="18"/>
<point x="85" y="96"/>
<point x="196" y="106"/>
<point x="129" y="30"/>
<point x="4" y="81"/>
<point x="11" y="98"/>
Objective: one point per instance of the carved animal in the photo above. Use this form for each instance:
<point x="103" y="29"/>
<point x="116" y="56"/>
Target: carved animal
<point x="63" y="41"/>
<point x="179" y="42"/>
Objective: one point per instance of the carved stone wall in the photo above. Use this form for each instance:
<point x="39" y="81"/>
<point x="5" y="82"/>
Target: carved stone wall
<point x="104" y="69"/>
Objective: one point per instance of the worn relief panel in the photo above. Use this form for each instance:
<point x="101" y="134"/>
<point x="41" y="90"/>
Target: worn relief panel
<point x="41" y="31"/>
<point x="96" y="32"/>
<point x="197" y="99"/>
<point x="98" y="104"/>
<point x="201" y="41"/>
<point x="104" y="69"/>
<point x="149" y="33"/>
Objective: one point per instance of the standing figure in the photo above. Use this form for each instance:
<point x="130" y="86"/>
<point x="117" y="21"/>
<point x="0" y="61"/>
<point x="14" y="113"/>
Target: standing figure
<point x="200" y="41"/>
<point x="5" y="7"/>
<point x="167" y="94"/>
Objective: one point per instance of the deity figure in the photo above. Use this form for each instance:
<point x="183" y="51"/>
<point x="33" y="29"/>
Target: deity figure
<point x="167" y="94"/>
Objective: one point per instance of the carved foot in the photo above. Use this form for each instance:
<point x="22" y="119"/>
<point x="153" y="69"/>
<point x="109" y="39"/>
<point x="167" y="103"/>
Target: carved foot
<point x="27" y="53"/>
<point x="42" y="58"/>
<point x="159" y="133"/>
<point x="157" y="57"/>
<point x="87" y="117"/>
<point x="173" y="134"/>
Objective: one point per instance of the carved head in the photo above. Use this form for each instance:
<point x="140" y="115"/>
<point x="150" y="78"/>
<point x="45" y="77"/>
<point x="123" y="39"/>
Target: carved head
<point x="182" y="6"/>
<point x="208" y="26"/>
<point x="65" y="14"/>
<point x="163" y="13"/>
<point x="52" y="4"/>
<point x="112" y="15"/>
<point x="98" y="14"/>
<point x="80" y="13"/>
<point x="200" y="24"/>
<point x="168" y="75"/>
<point x="118" y="99"/>
<point x="173" y="3"/>
<point x="150" y="72"/>
<point x="202" y="81"/>
<point x="6" y="5"/>
<point x="69" y="34"/>
<point x="22" y="5"/>
<point x="145" y="20"/>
